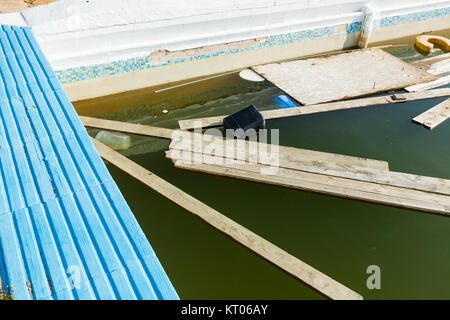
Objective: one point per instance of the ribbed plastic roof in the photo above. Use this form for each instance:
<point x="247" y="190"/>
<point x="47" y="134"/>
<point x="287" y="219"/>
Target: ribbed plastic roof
<point x="66" y="231"/>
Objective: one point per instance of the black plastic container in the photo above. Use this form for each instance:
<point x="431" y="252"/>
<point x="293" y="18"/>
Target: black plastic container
<point x="245" y="119"/>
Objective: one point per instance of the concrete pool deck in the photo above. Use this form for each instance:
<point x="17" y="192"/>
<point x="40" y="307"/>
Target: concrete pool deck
<point x="104" y="47"/>
<point x="66" y="232"/>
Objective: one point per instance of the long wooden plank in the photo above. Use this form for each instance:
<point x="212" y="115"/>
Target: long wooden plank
<point x="366" y="191"/>
<point x="290" y="264"/>
<point x="127" y="127"/>
<point x="426" y="63"/>
<point x="373" y="187"/>
<point x="346" y="167"/>
<point x="342" y="76"/>
<point x="300" y="159"/>
<point x="325" y="107"/>
<point x="429" y="85"/>
<point x="177" y="135"/>
<point x="257" y="151"/>
<point x="438" y="68"/>
<point x="434" y="116"/>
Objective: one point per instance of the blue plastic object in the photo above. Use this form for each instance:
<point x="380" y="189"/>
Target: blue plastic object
<point x="284" y="102"/>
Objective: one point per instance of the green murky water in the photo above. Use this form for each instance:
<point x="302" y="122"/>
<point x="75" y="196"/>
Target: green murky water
<point x="337" y="236"/>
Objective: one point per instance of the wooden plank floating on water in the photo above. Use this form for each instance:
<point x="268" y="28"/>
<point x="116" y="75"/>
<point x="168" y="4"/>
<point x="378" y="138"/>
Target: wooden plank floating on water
<point x="429" y="85"/>
<point x="355" y="168"/>
<point x="342" y="76"/>
<point x="410" y="192"/>
<point x="426" y="63"/>
<point x="127" y="127"/>
<point x="285" y="261"/>
<point x="439" y="66"/>
<point x="252" y="151"/>
<point x="434" y="116"/>
<point x="183" y="137"/>
<point x="347" y="188"/>
<point x="325" y="107"/>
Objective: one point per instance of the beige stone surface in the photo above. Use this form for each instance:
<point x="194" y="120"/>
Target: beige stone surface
<point x="18" y="5"/>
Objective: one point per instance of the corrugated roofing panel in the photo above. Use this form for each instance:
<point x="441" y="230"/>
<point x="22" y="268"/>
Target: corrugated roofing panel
<point x="66" y="231"/>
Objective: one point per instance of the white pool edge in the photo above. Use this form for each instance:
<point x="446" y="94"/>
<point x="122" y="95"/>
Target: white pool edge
<point x="91" y="45"/>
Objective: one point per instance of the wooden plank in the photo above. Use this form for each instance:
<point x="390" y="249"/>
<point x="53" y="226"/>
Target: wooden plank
<point x="424" y="64"/>
<point x="290" y="264"/>
<point x="127" y="127"/>
<point x="359" y="190"/>
<point x="342" y="76"/>
<point x="328" y="164"/>
<point x="434" y="116"/>
<point x="440" y="67"/>
<point x="186" y="136"/>
<point x="300" y="159"/>
<point x="256" y="151"/>
<point x="403" y="192"/>
<point x="429" y="85"/>
<point x="325" y="107"/>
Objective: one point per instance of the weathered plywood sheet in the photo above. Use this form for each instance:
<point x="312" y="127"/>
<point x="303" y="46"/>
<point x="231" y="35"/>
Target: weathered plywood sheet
<point x="435" y="116"/>
<point x="342" y="76"/>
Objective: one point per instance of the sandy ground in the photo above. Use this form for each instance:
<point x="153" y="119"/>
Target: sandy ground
<point x="17" y="5"/>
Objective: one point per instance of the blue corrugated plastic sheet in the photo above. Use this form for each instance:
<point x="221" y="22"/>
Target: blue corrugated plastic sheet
<point x="66" y="231"/>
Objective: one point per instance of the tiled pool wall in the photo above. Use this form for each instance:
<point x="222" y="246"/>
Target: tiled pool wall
<point x="145" y="62"/>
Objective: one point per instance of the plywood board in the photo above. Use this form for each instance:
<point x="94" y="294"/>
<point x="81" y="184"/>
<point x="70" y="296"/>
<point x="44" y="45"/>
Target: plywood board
<point x="342" y="76"/>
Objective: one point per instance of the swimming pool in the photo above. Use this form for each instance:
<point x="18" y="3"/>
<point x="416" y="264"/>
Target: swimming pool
<point x="339" y="237"/>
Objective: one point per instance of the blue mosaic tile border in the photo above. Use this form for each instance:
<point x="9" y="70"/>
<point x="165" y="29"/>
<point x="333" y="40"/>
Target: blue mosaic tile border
<point x="143" y="63"/>
<point x="412" y="17"/>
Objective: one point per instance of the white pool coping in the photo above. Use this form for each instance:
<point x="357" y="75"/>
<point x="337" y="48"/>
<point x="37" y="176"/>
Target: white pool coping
<point x="89" y="39"/>
<point x="76" y="33"/>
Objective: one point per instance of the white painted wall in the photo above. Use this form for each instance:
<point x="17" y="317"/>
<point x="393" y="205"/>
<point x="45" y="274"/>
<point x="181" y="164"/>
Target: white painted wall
<point x="84" y="32"/>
